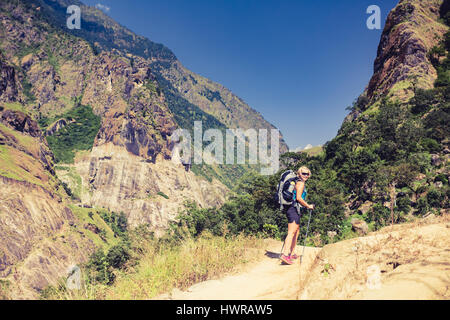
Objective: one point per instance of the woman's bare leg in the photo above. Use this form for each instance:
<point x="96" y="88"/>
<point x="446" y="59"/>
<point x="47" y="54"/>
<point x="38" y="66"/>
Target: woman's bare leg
<point x="292" y="229"/>
<point x="295" y="239"/>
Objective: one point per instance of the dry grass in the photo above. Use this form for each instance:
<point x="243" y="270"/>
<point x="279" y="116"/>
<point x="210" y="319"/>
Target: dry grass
<point x="160" y="269"/>
<point x="412" y="248"/>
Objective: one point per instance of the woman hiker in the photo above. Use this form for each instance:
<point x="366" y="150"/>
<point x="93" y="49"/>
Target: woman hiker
<point x="293" y="216"/>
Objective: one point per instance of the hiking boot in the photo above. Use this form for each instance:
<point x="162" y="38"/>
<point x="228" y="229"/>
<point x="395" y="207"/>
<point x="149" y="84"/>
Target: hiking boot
<point x="286" y="259"/>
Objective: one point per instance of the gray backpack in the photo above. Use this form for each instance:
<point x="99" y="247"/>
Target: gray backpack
<point x="286" y="188"/>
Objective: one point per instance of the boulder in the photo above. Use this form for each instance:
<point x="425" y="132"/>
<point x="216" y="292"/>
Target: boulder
<point x="435" y="160"/>
<point x="365" y="207"/>
<point x="438" y="184"/>
<point x="360" y="226"/>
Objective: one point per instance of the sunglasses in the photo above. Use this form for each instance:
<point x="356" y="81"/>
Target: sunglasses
<point x="305" y="174"/>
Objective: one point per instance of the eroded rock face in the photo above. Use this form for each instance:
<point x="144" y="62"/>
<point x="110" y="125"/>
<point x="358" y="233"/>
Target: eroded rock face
<point x="33" y="253"/>
<point x="411" y="30"/>
<point x="8" y="82"/>
<point x="148" y="193"/>
<point x="36" y="245"/>
<point x="21" y="122"/>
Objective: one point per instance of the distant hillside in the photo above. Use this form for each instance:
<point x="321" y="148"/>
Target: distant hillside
<point x="389" y="162"/>
<point x="190" y="96"/>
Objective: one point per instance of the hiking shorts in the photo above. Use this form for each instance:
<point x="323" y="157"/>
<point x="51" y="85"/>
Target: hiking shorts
<point x="292" y="215"/>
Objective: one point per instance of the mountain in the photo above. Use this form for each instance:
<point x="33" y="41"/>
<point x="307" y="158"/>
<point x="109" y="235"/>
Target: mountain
<point x="389" y="160"/>
<point x="402" y="64"/>
<point x="191" y="97"/>
<point x="85" y="121"/>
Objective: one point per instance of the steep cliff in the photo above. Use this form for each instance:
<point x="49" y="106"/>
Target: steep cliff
<point x="37" y="242"/>
<point x="149" y="193"/>
<point x="191" y="96"/>
<point x="106" y="107"/>
<point x="402" y="64"/>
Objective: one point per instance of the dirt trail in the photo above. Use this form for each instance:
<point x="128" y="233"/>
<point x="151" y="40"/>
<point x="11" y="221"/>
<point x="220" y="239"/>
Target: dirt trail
<point x="265" y="279"/>
<point x="408" y="261"/>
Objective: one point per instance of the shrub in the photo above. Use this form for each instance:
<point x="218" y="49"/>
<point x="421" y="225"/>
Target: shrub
<point x="430" y="145"/>
<point x="78" y="135"/>
<point x="67" y="189"/>
<point x="422" y="206"/>
<point x="117" y="222"/>
<point x="442" y="178"/>
<point x="404" y="204"/>
<point x="99" y="269"/>
<point x="422" y="101"/>
<point x="435" y="198"/>
<point x="117" y="256"/>
<point x="380" y="215"/>
<point x="271" y="230"/>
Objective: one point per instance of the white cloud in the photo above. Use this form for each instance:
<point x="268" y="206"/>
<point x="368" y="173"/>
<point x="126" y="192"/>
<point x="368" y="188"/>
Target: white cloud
<point x="102" y="7"/>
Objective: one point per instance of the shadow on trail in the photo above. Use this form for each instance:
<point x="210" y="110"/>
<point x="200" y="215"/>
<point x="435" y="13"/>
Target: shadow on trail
<point x="272" y="255"/>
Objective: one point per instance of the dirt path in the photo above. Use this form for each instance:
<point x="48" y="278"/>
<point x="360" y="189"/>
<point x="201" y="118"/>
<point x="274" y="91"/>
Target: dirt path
<point x="265" y="279"/>
<point x="409" y="261"/>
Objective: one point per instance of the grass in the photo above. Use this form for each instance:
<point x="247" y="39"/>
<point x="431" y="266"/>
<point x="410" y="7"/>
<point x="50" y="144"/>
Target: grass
<point x="25" y="140"/>
<point x="4" y="288"/>
<point x="75" y="182"/>
<point x="161" y="268"/>
<point x="314" y="151"/>
<point x="9" y="158"/>
<point x="162" y="194"/>
<point x="93" y="216"/>
<point x="15" y="106"/>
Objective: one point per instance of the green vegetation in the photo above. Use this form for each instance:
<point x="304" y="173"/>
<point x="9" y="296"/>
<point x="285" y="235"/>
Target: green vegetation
<point x="252" y="210"/>
<point x="139" y="266"/>
<point x="375" y="158"/>
<point x="162" y="194"/>
<point x="108" y="230"/>
<point x="79" y="134"/>
<point x="102" y="232"/>
<point x="4" y="289"/>
<point x="14" y="106"/>
<point x="117" y="222"/>
<point x="9" y="167"/>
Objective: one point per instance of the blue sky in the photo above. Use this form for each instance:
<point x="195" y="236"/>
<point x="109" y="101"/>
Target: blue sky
<point x="299" y="63"/>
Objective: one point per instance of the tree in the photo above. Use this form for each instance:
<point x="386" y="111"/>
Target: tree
<point x="388" y="177"/>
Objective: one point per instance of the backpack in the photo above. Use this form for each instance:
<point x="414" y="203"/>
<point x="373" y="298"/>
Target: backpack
<point x="286" y="188"/>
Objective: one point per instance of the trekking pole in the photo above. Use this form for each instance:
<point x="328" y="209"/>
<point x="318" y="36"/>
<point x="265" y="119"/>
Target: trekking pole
<point x="281" y="252"/>
<point x="306" y="236"/>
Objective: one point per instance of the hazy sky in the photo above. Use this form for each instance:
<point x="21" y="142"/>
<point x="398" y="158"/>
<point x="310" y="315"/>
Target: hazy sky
<point x="299" y="63"/>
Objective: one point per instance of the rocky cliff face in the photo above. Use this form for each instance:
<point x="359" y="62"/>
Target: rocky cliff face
<point x="36" y="243"/>
<point x="213" y="98"/>
<point x="45" y="73"/>
<point x="8" y="82"/>
<point x="412" y="29"/>
<point x="149" y="193"/>
<point x="190" y="93"/>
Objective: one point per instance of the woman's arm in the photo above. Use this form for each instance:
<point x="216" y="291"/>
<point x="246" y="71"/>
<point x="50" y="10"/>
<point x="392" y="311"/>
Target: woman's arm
<point x="299" y="187"/>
